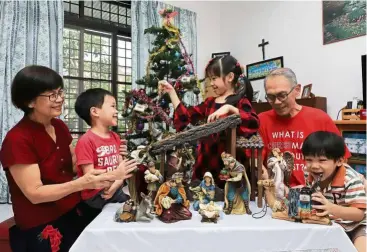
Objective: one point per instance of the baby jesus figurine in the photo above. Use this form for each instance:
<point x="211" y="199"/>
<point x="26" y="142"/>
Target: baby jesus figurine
<point x="171" y="204"/>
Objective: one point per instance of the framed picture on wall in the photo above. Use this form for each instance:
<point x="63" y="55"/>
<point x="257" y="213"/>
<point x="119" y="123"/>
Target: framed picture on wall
<point x="306" y="92"/>
<point x="220" y="54"/>
<point x="343" y="20"/>
<point x="261" y="69"/>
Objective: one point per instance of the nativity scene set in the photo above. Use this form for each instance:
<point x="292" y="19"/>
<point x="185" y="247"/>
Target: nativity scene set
<point x="162" y="186"/>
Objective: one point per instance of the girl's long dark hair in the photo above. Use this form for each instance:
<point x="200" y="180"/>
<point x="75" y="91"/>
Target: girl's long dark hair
<point x="223" y="65"/>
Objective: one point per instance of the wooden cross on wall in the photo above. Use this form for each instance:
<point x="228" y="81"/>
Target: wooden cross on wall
<point x="263" y="44"/>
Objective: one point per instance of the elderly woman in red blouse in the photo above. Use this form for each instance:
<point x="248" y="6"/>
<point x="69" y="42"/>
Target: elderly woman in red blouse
<point x="37" y="157"/>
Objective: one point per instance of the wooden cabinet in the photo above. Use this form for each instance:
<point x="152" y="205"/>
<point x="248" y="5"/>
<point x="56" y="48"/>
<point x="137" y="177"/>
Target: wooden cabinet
<point x="315" y="102"/>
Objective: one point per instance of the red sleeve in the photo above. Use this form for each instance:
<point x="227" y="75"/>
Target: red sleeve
<point x="329" y="125"/>
<point x="250" y="120"/>
<point x="84" y="151"/>
<point x="17" y="149"/>
<point x="184" y="116"/>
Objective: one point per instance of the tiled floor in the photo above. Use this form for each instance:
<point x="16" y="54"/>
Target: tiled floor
<point x="6" y="212"/>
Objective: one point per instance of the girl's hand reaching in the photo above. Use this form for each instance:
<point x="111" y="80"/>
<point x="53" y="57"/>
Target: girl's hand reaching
<point x="223" y="111"/>
<point x="164" y="87"/>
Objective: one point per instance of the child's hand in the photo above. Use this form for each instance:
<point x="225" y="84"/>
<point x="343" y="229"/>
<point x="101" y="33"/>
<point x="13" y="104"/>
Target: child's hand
<point x="110" y="191"/>
<point x="326" y="206"/>
<point x="123" y="147"/>
<point x="224" y="110"/>
<point x="164" y="87"/>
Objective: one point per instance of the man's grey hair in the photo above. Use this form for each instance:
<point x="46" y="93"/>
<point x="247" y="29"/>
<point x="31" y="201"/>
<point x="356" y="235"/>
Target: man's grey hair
<point x="285" y="72"/>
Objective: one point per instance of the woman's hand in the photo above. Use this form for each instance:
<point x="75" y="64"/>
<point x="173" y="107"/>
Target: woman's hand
<point x="96" y="179"/>
<point x="124" y="170"/>
<point x="223" y="111"/>
<point x="164" y="87"/>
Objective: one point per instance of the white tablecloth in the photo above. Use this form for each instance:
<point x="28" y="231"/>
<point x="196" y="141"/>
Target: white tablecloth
<point x="231" y="234"/>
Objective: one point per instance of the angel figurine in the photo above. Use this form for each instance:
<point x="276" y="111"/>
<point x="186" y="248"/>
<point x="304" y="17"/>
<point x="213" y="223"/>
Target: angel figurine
<point x="153" y="178"/>
<point x="237" y="188"/>
<point x="281" y="166"/>
<point x="205" y="192"/>
<point x="171" y="204"/>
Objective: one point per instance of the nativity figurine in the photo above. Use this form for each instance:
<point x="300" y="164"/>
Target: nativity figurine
<point x="153" y="178"/>
<point x="237" y="188"/>
<point x="145" y="208"/>
<point x="127" y="212"/>
<point x="210" y="212"/>
<point x="171" y="204"/>
<point x="281" y="167"/>
<point x="205" y="192"/>
<point x="292" y="204"/>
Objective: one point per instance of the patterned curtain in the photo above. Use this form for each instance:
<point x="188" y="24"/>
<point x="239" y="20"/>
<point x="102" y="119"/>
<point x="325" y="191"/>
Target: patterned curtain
<point x="30" y="33"/>
<point x="144" y="15"/>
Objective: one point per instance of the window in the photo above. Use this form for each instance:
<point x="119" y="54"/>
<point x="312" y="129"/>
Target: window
<point x="96" y="53"/>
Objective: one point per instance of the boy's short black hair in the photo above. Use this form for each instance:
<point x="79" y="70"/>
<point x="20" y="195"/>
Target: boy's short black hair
<point x="93" y="97"/>
<point x="324" y="143"/>
<point x="32" y="81"/>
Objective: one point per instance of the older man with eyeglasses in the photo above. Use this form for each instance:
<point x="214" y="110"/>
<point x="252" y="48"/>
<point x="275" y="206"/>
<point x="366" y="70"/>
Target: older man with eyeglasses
<point x="288" y="123"/>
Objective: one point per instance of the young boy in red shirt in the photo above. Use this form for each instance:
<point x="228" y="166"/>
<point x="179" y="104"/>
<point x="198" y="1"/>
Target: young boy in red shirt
<point x="98" y="148"/>
<point x="341" y="194"/>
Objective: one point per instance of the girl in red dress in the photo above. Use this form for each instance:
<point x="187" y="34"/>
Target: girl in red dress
<point x="234" y="94"/>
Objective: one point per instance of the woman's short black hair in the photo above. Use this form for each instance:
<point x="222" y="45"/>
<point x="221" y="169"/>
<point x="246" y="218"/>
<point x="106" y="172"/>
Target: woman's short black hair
<point x="324" y="143"/>
<point x="93" y="97"/>
<point x="32" y="81"/>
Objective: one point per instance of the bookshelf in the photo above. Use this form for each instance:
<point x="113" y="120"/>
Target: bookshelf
<point x="354" y="130"/>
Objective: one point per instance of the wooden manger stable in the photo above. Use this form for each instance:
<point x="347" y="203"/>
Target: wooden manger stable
<point x="230" y="124"/>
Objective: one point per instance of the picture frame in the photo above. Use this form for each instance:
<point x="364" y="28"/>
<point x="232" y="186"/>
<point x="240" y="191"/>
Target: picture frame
<point x="259" y="70"/>
<point x="256" y="96"/>
<point x="220" y="54"/>
<point x="306" y="92"/>
<point x="342" y="20"/>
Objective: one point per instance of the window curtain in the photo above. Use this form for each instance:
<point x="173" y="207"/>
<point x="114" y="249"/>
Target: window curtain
<point x="144" y="15"/>
<point x="30" y="34"/>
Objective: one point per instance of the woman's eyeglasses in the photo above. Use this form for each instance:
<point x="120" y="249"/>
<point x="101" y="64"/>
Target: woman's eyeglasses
<point x="281" y="96"/>
<point x="53" y="97"/>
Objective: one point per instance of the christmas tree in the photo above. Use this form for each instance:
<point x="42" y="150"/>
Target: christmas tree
<point x="168" y="60"/>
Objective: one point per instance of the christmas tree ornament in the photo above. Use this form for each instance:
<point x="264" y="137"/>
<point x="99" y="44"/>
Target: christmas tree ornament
<point x="177" y="54"/>
<point x="139" y="126"/>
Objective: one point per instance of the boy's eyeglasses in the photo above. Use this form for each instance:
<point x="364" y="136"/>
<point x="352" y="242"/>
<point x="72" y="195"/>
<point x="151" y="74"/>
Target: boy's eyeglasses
<point x="53" y="97"/>
<point x="281" y="96"/>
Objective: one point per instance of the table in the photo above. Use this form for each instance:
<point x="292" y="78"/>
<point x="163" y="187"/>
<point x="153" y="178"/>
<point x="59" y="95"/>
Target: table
<point x="232" y="233"/>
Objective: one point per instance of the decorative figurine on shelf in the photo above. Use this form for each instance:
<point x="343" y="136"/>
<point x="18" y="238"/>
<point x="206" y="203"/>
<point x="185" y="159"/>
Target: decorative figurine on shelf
<point x="281" y="166"/>
<point x="145" y="208"/>
<point x="153" y="178"/>
<point x="171" y="204"/>
<point x="237" y="188"/>
<point x="210" y="212"/>
<point x="205" y="192"/>
<point x="127" y="212"/>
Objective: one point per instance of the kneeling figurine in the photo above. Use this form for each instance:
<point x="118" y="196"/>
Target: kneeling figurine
<point x="171" y="204"/>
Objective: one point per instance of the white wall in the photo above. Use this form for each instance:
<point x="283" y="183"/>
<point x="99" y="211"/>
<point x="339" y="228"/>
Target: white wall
<point x="294" y="31"/>
<point x="208" y="29"/>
